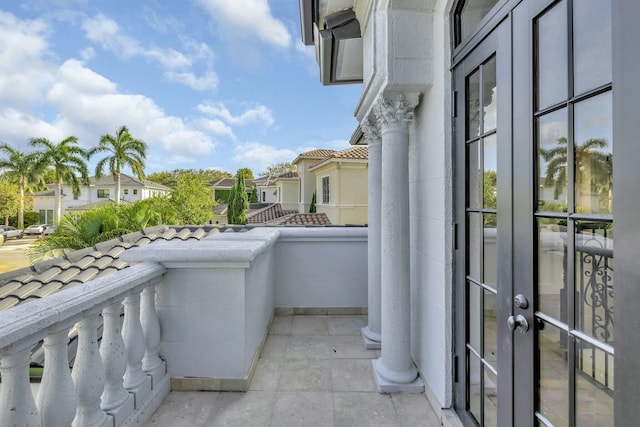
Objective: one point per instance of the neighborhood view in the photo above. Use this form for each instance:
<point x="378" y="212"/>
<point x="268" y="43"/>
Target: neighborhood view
<point x="49" y="193"/>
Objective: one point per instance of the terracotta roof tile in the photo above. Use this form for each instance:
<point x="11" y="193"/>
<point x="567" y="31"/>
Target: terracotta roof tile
<point x="78" y="267"/>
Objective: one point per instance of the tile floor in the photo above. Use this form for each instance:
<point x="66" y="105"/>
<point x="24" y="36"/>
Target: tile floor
<point x="313" y="371"/>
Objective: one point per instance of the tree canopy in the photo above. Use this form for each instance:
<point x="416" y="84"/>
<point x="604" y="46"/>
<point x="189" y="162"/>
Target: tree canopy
<point x="23" y="169"/>
<point x="123" y="150"/>
<point x="192" y="200"/>
<point x="278" y="169"/>
<point x="170" y="178"/>
<point x="68" y="161"/>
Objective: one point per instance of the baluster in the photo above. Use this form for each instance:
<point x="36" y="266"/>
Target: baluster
<point x="115" y="399"/>
<point x="17" y="406"/>
<point x="135" y="380"/>
<point x="88" y="375"/>
<point x="151" y="363"/>
<point x="57" y="395"/>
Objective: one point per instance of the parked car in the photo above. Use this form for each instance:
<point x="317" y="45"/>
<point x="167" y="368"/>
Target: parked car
<point x="35" y="229"/>
<point x="49" y="230"/>
<point x="10" y="232"/>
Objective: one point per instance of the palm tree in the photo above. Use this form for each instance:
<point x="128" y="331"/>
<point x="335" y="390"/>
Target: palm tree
<point x="26" y="169"/>
<point x="593" y="170"/>
<point x="123" y="150"/>
<point x="67" y="160"/>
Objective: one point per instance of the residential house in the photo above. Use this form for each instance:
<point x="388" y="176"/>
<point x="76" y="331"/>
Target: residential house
<point x="307" y="186"/>
<point x="281" y="189"/>
<point x="222" y="188"/>
<point x="497" y="293"/>
<point x="341" y="185"/>
<point x="99" y="191"/>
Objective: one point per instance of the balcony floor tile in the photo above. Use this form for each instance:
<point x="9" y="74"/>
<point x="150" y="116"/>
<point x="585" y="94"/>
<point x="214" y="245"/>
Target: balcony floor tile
<point x="321" y="378"/>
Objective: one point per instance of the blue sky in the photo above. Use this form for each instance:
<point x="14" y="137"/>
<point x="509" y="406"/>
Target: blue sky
<point x="218" y="84"/>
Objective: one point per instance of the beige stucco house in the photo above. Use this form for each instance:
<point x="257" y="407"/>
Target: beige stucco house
<point x="341" y="185"/>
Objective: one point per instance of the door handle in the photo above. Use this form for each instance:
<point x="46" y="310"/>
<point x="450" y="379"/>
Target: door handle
<point x="519" y="322"/>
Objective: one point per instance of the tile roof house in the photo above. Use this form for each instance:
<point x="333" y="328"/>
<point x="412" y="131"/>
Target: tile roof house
<point x="98" y="191"/>
<point x="341" y="185"/>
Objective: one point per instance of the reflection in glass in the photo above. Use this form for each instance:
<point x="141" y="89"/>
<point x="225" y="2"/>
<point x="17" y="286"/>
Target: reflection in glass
<point x="553" y="382"/>
<point x="551" y="55"/>
<point x="594" y="155"/>
<point x="552" y="253"/>
<point x="475" y="398"/>
<point x="473" y="105"/>
<point x="490" y="260"/>
<point x="594" y="386"/>
<point x="489" y="94"/>
<point x="474" y="172"/>
<point x="490" y="330"/>
<point x="472" y="13"/>
<point x="594" y="280"/>
<point x="490" y="399"/>
<point x="490" y="176"/>
<point x="474" y="321"/>
<point x="591" y="44"/>
<point x="475" y="245"/>
<point x="552" y="161"/>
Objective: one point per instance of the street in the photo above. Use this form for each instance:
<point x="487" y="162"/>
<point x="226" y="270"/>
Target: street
<point x="13" y="254"/>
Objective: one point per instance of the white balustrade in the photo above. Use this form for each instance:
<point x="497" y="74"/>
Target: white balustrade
<point x="17" y="407"/>
<point x="151" y="362"/>
<point x="56" y="399"/>
<point x="115" y="399"/>
<point x="135" y="380"/>
<point x="88" y="374"/>
<point x="94" y="393"/>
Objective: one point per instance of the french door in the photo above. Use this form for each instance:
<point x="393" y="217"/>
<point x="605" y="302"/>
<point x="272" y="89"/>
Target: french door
<point x="534" y="217"/>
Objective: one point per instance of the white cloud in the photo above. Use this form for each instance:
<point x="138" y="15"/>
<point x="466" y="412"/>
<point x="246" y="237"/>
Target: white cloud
<point x="106" y="33"/>
<point x="214" y="126"/>
<point x="258" y="156"/>
<point x="25" y="69"/>
<point x="88" y="105"/>
<point x="218" y="109"/>
<point x="209" y="81"/>
<point x="248" y="18"/>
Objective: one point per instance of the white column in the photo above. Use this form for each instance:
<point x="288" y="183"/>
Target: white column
<point x="116" y="401"/>
<point x="371" y="332"/>
<point x="394" y="370"/>
<point x="57" y="395"/>
<point x="151" y="362"/>
<point x="88" y="375"/>
<point x="17" y="407"/>
<point x="135" y="380"/>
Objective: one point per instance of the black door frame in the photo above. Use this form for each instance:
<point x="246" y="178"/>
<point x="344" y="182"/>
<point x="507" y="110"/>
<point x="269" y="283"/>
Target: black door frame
<point x="497" y="42"/>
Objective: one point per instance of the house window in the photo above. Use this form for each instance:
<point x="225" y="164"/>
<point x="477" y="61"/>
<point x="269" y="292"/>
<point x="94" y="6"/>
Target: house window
<point x="126" y="191"/>
<point x="325" y="189"/>
<point x="468" y="15"/>
<point x="103" y="194"/>
<point x="135" y="191"/>
<point x="264" y="196"/>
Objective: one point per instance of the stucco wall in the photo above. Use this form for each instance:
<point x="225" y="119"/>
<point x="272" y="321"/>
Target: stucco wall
<point x="431" y="221"/>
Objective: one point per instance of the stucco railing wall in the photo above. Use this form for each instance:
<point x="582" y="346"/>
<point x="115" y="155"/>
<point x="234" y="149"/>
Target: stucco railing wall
<point x="321" y="268"/>
<point x="196" y="314"/>
<point x="117" y="383"/>
<point x="219" y="294"/>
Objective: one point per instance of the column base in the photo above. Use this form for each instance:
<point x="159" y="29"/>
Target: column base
<point x="385" y="386"/>
<point x="370" y="339"/>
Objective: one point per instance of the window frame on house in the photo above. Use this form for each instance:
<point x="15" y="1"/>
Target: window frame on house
<point x="126" y="191"/>
<point x="326" y="190"/>
<point x="135" y="191"/>
<point x="103" y="193"/>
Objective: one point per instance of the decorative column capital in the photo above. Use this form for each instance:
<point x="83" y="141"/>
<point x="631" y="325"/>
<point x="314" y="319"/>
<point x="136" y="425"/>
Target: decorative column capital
<point x="396" y="113"/>
<point x="371" y="130"/>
